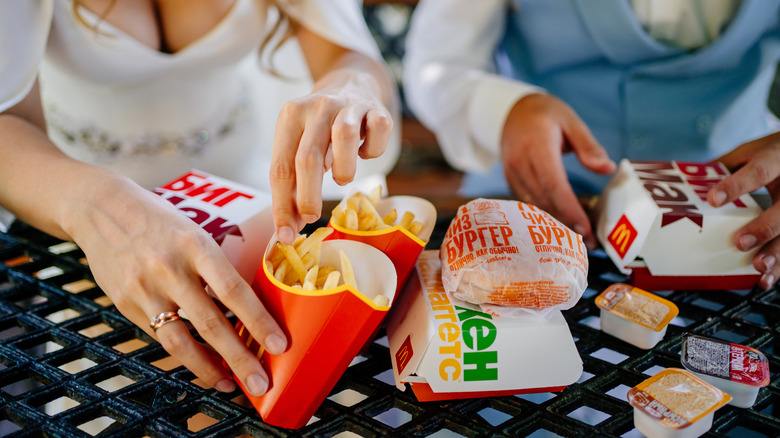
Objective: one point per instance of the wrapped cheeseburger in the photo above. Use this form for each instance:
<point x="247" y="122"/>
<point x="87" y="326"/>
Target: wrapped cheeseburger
<point x="512" y="258"/>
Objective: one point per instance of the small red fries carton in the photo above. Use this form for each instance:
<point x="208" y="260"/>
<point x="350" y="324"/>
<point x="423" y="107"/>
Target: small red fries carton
<point x="325" y="330"/>
<point x="449" y="349"/>
<point x="237" y="216"/>
<point x="655" y="223"/>
<point x="399" y="226"/>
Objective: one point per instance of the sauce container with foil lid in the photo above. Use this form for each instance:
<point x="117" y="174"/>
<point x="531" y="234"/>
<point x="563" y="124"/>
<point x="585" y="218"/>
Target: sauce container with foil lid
<point x="634" y="315"/>
<point x="674" y="403"/>
<point x="736" y="369"/>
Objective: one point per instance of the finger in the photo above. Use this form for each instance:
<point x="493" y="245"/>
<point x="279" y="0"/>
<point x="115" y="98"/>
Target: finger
<point x="566" y="204"/>
<point x="759" y="231"/>
<point x="753" y="175"/>
<point x="766" y="262"/>
<point x="287" y="136"/>
<point x="589" y="152"/>
<point x="217" y="331"/>
<point x="740" y="155"/>
<point x="238" y="296"/>
<point x="379" y="127"/>
<point x="345" y="140"/>
<point x="176" y="339"/>
<point x="310" y="167"/>
<point x="547" y="188"/>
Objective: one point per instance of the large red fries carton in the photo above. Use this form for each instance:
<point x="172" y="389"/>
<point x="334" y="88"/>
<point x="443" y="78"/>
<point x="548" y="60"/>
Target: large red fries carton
<point x="237" y="216"/>
<point x="325" y="330"/>
<point x="655" y="223"/>
<point x="400" y="245"/>
<point x="449" y="349"/>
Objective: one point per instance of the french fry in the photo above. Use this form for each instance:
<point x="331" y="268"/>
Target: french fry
<point x="390" y="217"/>
<point x="367" y="222"/>
<point x="332" y="280"/>
<point x="295" y="260"/>
<point x="367" y="207"/>
<point x="375" y="196"/>
<point x="281" y="271"/>
<point x="346" y="269"/>
<point x="406" y="219"/>
<point x="415" y="228"/>
<point x="323" y="273"/>
<point x="339" y="216"/>
<point x="311" y="277"/>
<point x="298" y="265"/>
<point x="276" y="256"/>
<point x="353" y="202"/>
<point x="316" y="238"/>
<point x="351" y="221"/>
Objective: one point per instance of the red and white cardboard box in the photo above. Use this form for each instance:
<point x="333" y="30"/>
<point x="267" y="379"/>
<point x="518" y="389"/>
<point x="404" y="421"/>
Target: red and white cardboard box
<point x="449" y="349"/>
<point x="655" y="224"/>
<point x="238" y="217"/>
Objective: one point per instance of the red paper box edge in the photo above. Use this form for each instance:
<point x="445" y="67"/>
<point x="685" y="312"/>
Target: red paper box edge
<point x="390" y="230"/>
<point x="424" y="393"/>
<point x="642" y="278"/>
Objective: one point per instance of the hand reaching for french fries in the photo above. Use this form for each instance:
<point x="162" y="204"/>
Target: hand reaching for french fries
<point x="298" y="265"/>
<point x="359" y="213"/>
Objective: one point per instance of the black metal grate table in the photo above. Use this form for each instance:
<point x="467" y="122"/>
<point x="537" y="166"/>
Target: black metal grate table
<point x="71" y="365"/>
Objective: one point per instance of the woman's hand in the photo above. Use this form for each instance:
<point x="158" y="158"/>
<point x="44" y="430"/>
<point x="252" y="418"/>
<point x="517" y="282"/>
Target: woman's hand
<point x="345" y="117"/>
<point x="539" y="129"/>
<point x="754" y="165"/>
<point x="149" y="258"/>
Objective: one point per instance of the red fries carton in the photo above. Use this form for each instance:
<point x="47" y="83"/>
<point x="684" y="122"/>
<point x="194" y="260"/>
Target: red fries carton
<point x="655" y="223"/>
<point x="400" y="244"/>
<point x="449" y="349"/>
<point x="237" y="216"/>
<point x="325" y="330"/>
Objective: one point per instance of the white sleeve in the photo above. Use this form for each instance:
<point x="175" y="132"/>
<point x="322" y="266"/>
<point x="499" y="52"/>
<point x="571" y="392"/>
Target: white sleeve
<point x="339" y="21"/>
<point x="24" y="29"/>
<point x="450" y="78"/>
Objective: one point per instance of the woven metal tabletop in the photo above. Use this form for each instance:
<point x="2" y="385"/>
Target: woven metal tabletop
<point x="71" y="365"/>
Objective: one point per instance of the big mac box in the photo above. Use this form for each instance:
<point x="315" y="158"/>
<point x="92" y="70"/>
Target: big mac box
<point x="655" y="224"/>
<point x="237" y="217"/>
<point x="399" y="226"/>
<point x="326" y="324"/>
<point x="445" y="348"/>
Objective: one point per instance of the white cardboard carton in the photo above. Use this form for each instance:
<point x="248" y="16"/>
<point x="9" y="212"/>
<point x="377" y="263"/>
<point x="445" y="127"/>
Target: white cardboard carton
<point x="655" y="223"/>
<point x="238" y="217"/>
<point x="449" y="349"/>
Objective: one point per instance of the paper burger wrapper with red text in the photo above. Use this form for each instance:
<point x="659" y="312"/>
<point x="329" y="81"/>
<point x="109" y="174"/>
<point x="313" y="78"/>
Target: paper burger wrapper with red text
<point x="238" y="217"/>
<point x="400" y="244"/>
<point x="512" y="258"/>
<point x="445" y="348"/>
<point x="655" y="224"/>
<point x="325" y="330"/>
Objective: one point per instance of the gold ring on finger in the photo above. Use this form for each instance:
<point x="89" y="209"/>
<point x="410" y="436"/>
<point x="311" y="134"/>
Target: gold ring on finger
<point x="162" y="319"/>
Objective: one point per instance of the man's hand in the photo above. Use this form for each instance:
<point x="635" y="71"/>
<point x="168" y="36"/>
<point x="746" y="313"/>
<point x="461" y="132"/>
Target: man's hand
<point x="538" y="131"/>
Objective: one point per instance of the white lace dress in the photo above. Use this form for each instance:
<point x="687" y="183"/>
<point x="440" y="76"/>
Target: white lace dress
<point x="113" y="101"/>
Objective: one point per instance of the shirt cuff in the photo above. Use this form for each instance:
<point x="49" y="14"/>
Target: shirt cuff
<point x="490" y="105"/>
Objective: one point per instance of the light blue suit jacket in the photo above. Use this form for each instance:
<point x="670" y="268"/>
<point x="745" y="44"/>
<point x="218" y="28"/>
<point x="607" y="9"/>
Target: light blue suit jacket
<point x="641" y="98"/>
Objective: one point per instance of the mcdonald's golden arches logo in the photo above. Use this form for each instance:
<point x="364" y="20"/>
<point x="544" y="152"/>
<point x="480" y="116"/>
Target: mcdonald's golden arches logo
<point x="622" y="236"/>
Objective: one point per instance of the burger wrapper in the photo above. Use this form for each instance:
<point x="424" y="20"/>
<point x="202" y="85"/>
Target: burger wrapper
<point x="401" y="246"/>
<point x="325" y="329"/>
<point x="512" y="259"/>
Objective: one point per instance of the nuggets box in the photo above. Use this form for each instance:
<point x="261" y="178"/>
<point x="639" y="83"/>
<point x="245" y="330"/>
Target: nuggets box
<point x="655" y="224"/>
<point x="448" y="349"/>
